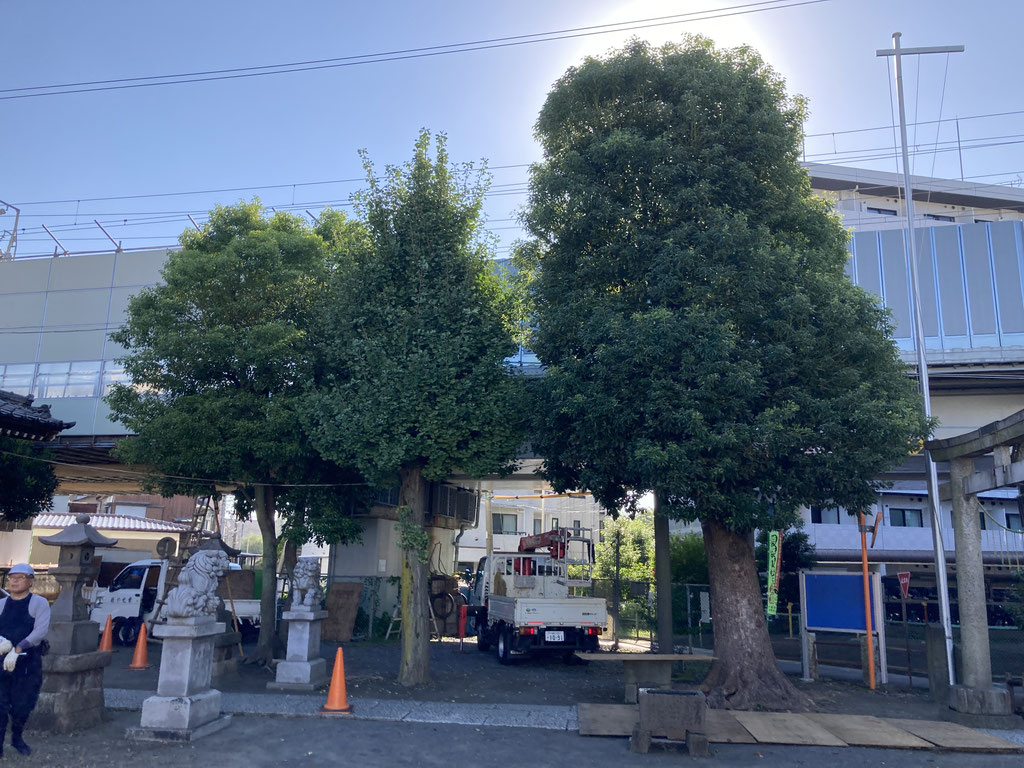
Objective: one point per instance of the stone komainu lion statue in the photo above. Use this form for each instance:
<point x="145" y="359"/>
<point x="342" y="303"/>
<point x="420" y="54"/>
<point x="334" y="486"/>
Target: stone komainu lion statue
<point x="195" y="594"/>
<point x="306" y="584"/>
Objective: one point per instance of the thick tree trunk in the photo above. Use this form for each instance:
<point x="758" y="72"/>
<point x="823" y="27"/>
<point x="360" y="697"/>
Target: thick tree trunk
<point x="663" y="578"/>
<point x="744" y="674"/>
<point x="263" y="499"/>
<point x="415" y="666"/>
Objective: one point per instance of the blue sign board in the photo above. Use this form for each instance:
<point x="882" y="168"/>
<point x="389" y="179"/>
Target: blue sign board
<point x="835" y="601"/>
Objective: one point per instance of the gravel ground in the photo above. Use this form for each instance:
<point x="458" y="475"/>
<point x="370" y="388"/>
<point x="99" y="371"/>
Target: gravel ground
<point x="472" y="677"/>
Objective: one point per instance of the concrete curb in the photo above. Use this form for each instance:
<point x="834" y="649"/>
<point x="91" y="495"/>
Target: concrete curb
<point x="557" y="718"/>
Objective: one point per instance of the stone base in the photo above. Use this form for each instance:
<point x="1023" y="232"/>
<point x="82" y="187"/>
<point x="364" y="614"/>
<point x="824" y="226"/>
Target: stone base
<point x="72" y="694"/>
<point x="299" y="675"/>
<point x="177" y="734"/>
<point x="672" y="714"/>
<point x="981" y="708"/>
<point x="180" y="713"/>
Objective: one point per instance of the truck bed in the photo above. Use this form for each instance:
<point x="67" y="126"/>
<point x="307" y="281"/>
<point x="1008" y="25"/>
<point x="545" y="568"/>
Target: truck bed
<point x="544" y="612"/>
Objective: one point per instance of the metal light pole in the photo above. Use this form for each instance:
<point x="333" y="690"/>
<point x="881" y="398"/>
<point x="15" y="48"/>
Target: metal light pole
<point x="922" y="366"/>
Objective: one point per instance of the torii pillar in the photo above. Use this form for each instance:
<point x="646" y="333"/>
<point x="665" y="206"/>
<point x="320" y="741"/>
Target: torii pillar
<point x="975" y="701"/>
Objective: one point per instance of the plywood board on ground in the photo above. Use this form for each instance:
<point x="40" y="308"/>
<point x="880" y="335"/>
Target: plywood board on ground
<point x="607" y="719"/>
<point x="866" y="731"/>
<point x="784" y="728"/>
<point x="955" y="736"/>
<point x="723" y="728"/>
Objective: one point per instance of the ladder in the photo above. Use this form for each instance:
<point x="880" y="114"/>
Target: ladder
<point x="576" y="550"/>
<point x="396" y="618"/>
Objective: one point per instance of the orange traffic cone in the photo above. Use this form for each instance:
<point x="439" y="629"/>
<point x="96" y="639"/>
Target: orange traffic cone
<point x="107" y="638"/>
<point x="337" y="701"/>
<point x="141" y="658"/>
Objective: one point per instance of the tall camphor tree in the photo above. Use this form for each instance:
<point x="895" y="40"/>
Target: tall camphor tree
<point x="218" y="357"/>
<point x="417" y="385"/>
<point x="700" y="336"/>
<point x="27" y="482"/>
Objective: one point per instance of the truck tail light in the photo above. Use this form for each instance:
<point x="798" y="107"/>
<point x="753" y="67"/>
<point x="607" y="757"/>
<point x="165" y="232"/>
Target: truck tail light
<point x="527" y="630"/>
<point x="593" y="631"/>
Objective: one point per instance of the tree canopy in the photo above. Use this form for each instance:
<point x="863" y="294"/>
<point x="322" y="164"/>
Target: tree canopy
<point x="219" y="356"/>
<point x="27" y="484"/>
<point x="416" y="384"/>
<point x="700" y="335"/>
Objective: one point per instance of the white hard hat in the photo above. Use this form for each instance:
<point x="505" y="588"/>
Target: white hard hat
<point x="22" y="568"/>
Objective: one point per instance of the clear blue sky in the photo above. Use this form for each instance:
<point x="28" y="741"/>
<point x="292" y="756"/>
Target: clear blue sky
<point x="305" y="127"/>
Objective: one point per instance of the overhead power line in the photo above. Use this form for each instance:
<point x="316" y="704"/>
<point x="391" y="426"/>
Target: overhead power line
<point x="235" y="73"/>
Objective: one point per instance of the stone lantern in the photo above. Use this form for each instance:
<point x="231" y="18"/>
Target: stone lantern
<point x="71" y="630"/>
<point x="72" y="693"/>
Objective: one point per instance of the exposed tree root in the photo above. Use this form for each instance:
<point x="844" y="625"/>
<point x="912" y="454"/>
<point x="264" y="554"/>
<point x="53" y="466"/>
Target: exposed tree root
<point x="762" y="687"/>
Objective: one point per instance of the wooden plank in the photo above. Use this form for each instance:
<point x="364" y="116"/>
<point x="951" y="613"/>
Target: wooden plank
<point x="607" y="719"/>
<point x="866" y="731"/>
<point x="956" y="737"/>
<point x="723" y="728"/>
<point x="643" y="656"/>
<point x="784" y="728"/>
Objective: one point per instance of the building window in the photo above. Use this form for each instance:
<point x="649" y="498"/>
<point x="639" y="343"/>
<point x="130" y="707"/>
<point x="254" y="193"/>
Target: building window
<point x="938" y="217"/>
<point x="1013" y="521"/>
<point x="503" y="523"/>
<point x="554" y="523"/>
<point x="826" y="515"/>
<point x="905" y="518"/>
<point x="17" y="378"/>
<point x="537" y="525"/>
<point x="600" y="531"/>
<point x="981" y="520"/>
<point x="68" y="379"/>
<point x="882" y="211"/>
<point x="113" y="373"/>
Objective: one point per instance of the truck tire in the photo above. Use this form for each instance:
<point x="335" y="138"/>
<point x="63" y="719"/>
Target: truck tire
<point x="504" y="647"/>
<point x="483" y="635"/>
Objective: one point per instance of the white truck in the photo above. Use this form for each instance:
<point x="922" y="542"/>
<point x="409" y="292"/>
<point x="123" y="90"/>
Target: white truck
<point x="134" y="596"/>
<point x="522" y="602"/>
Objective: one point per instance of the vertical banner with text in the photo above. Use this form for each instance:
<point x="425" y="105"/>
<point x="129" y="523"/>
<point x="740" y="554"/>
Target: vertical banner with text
<point x="774" y="570"/>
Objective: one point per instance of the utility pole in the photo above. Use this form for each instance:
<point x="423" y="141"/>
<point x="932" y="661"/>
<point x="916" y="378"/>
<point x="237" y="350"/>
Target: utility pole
<point x="941" y="580"/>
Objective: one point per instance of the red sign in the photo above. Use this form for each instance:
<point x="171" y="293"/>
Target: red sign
<point x="904" y="577"/>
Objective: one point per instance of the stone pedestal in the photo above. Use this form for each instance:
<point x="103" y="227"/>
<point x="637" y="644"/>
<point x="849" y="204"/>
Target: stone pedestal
<point x="303" y="668"/>
<point x="185" y="707"/>
<point x="982" y="708"/>
<point x="72" y="695"/>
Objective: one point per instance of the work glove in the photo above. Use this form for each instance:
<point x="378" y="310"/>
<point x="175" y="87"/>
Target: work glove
<point x="5" y="646"/>
<point x="10" y="660"/>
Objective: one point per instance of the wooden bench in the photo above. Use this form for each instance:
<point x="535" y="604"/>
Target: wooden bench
<point x="645" y="670"/>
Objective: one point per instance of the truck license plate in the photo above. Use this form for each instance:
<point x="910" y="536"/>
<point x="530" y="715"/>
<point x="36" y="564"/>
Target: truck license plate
<point x="554" y="637"/>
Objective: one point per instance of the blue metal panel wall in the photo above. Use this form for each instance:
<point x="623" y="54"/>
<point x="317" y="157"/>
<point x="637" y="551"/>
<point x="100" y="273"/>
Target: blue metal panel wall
<point x="972" y="283"/>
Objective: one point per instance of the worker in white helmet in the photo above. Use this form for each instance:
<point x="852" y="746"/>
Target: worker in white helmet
<point x="24" y="622"/>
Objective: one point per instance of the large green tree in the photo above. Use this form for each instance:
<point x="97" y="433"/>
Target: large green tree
<point x="417" y="385"/>
<point x="219" y="356"/>
<point x="27" y="482"/>
<point x="700" y="336"/>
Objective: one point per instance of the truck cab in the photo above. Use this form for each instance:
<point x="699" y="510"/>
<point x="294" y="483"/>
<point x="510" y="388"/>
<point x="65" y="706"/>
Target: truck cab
<point x="130" y="599"/>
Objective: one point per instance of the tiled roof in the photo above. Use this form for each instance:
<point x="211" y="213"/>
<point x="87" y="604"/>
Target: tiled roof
<point x="111" y="523"/>
<point x="19" y="418"/>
